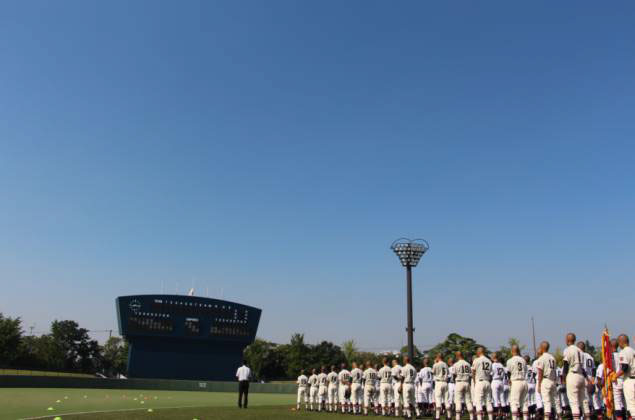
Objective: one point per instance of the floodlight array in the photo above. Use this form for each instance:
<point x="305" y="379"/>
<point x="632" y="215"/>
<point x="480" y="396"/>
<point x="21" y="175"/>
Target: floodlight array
<point x="409" y="251"/>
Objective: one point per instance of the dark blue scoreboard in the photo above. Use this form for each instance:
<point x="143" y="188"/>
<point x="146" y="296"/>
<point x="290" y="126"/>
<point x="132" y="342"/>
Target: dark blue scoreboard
<point x="185" y="337"/>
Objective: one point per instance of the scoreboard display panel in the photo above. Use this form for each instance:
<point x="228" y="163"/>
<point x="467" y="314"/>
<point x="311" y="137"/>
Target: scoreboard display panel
<point x="185" y="337"/>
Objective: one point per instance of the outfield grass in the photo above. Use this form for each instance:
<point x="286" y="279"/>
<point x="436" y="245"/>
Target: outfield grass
<point x="20" y="403"/>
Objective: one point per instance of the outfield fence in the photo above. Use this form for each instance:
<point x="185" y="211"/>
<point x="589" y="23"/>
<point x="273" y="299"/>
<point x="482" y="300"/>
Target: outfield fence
<point x="21" y="381"/>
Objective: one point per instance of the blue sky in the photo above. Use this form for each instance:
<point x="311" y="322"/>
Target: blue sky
<point x="273" y="150"/>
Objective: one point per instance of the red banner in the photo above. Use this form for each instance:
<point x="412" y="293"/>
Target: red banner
<point x="607" y="362"/>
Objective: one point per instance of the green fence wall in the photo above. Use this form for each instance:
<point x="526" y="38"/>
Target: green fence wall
<point x="10" y="381"/>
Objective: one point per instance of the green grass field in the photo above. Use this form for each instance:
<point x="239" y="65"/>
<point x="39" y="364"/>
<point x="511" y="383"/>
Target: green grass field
<point x="22" y="403"/>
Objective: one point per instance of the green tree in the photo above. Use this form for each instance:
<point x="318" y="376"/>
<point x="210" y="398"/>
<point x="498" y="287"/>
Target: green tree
<point x="266" y="360"/>
<point x="558" y="356"/>
<point x="326" y="354"/>
<point x="350" y="350"/>
<point x="42" y="352"/>
<point x="115" y="356"/>
<point x="505" y="352"/>
<point x="80" y="352"/>
<point x="296" y="355"/>
<point x="10" y="339"/>
<point x="453" y="343"/>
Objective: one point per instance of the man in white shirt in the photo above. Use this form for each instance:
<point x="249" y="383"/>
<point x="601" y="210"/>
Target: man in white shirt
<point x="323" y="386"/>
<point x="588" y="364"/>
<point x="313" y="389"/>
<point x="408" y="376"/>
<point x="370" y="376"/>
<point x="440" y="372"/>
<point x="425" y="379"/>
<point x="518" y="391"/>
<point x="498" y="376"/>
<point x="530" y="378"/>
<point x="482" y="375"/>
<point x="385" y="388"/>
<point x="462" y="391"/>
<point x="396" y="387"/>
<point x="575" y="377"/>
<point x="344" y="379"/>
<point x="331" y="402"/>
<point x="303" y="395"/>
<point x="547" y="381"/>
<point x="242" y="374"/>
<point x="626" y="370"/>
<point x="618" y="387"/>
<point x="357" y="392"/>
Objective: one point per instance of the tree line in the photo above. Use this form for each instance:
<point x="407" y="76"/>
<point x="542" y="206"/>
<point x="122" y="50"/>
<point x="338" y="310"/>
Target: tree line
<point x="67" y="348"/>
<point x="270" y="361"/>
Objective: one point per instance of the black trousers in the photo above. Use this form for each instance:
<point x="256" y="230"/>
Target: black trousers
<point x="243" y="393"/>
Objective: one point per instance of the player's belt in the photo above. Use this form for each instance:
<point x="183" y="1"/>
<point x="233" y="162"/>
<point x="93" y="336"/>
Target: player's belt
<point x="461" y="380"/>
<point x="483" y="380"/>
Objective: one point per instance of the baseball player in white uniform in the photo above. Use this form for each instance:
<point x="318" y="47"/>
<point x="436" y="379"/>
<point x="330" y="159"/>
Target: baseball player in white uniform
<point x="482" y="375"/>
<point x="462" y="391"/>
<point x="531" y="387"/>
<point x="370" y="375"/>
<point x="344" y="388"/>
<point x="357" y="393"/>
<point x="507" y="386"/>
<point x="425" y="391"/>
<point x="618" y="386"/>
<point x="331" y="402"/>
<point x="547" y="381"/>
<point x="440" y="372"/>
<point x="313" y="390"/>
<point x="385" y="387"/>
<point x="518" y="392"/>
<point x="376" y="405"/>
<point x="588" y="364"/>
<point x="626" y="370"/>
<point x="498" y="377"/>
<point x="303" y="396"/>
<point x="562" y="390"/>
<point x="396" y="387"/>
<point x="537" y="396"/>
<point x="575" y="377"/>
<point x="323" y="384"/>
<point x="408" y="376"/>
<point x="598" y="398"/>
<point x="451" y="383"/>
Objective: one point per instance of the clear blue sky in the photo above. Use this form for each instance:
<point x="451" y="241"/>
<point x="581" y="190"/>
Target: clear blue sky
<point x="275" y="149"/>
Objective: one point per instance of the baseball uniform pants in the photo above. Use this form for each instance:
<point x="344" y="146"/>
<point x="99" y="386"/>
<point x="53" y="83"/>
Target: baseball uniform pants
<point x="549" y="394"/>
<point x="408" y="395"/>
<point x="497" y="393"/>
<point x="462" y="394"/>
<point x="440" y="393"/>
<point x="303" y="396"/>
<point x="518" y="397"/>
<point x="483" y="396"/>
<point x="576" y="394"/>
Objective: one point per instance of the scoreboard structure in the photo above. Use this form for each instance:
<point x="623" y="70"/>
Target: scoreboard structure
<point x="185" y="337"/>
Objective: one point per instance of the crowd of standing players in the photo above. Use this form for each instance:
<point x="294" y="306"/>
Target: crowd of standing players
<point x="488" y="386"/>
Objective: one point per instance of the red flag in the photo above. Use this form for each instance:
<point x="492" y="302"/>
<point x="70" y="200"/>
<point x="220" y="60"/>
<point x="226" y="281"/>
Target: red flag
<point x="607" y="361"/>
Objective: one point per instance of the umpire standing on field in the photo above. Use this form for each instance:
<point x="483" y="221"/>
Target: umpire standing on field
<point x="242" y="374"/>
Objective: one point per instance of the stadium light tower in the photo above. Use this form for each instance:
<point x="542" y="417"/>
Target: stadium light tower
<point x="409" y="252"/>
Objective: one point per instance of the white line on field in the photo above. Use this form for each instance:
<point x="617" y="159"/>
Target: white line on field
<point x="79" y="413"/>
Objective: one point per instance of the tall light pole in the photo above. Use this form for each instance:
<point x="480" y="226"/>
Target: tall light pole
<point x="409" y="252"/>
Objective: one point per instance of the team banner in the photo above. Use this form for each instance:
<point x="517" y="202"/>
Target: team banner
<point x="607" y="361"/>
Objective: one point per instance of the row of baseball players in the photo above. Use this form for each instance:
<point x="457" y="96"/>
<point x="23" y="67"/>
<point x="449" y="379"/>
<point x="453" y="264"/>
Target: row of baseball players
<point x="495" y="389"/>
